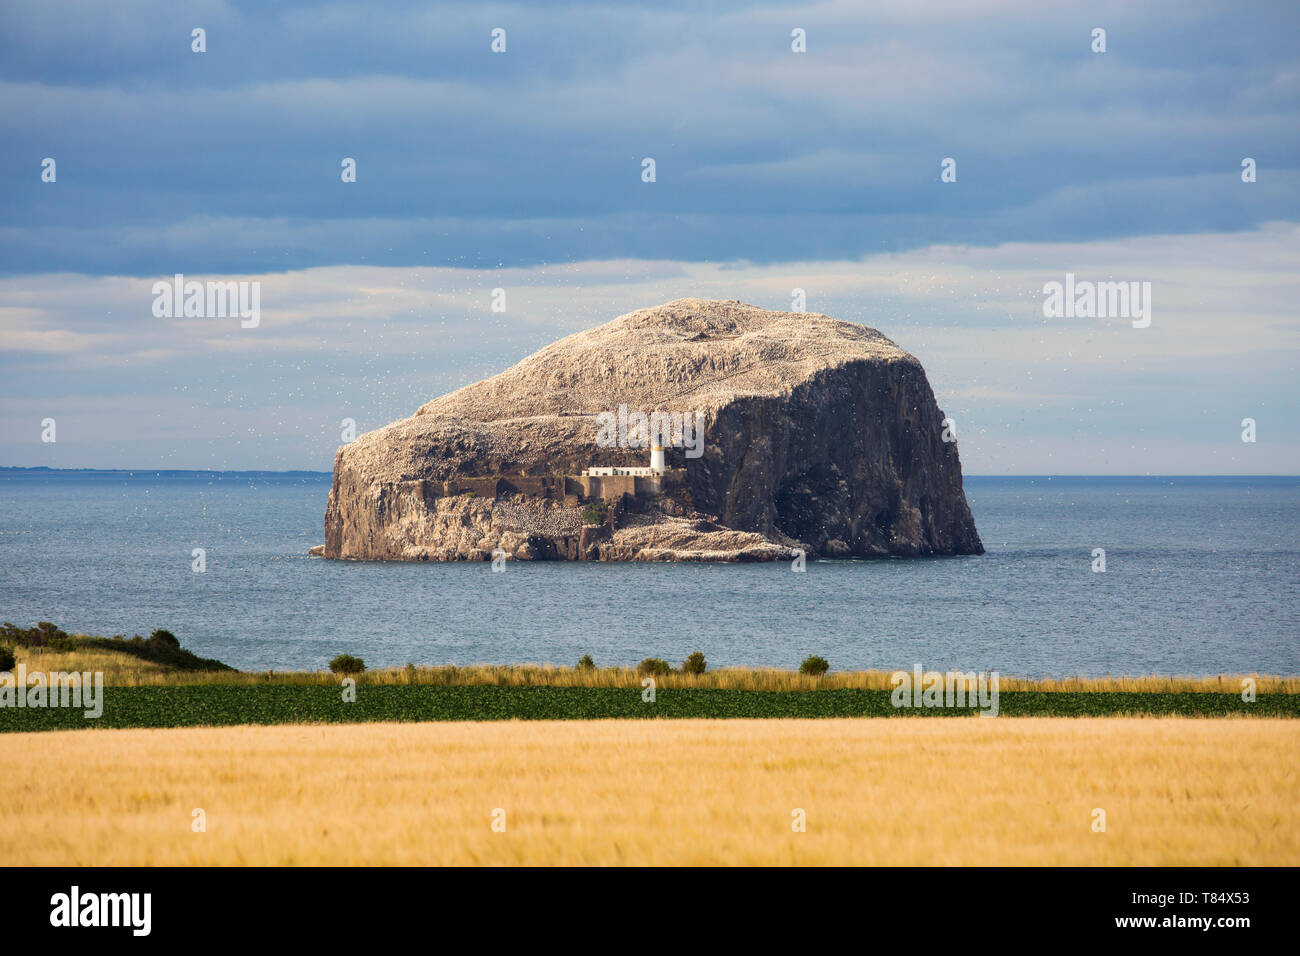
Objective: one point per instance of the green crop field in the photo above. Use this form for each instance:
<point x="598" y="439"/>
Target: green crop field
<point x="231" y="704"/>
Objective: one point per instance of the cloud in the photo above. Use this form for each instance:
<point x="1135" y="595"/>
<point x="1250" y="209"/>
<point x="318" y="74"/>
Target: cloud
<point x="523" y="171"/>
<point x="229" y="160"/>
<point x="1030" y="394"/>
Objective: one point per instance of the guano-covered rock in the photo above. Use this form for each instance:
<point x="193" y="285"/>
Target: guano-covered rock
<point x="816" y="434"/>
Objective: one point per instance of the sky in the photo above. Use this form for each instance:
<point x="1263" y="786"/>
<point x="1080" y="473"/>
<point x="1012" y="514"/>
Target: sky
<point x="523" y="170"/>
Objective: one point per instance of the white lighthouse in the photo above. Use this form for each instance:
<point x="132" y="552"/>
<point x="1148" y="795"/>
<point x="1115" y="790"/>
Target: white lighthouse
<point x="656" y="459"/>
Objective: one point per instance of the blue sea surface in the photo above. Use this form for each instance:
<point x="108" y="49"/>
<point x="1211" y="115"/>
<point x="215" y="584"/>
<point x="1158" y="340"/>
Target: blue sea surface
<point x="1202" y="577"/>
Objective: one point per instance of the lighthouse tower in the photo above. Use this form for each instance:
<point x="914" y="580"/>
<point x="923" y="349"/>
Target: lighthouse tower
<point x="656" y="459"/>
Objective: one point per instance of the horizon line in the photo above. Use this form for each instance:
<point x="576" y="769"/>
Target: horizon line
<point x="314" y="471"/>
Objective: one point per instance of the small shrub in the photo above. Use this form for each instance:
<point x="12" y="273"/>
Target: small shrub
<point x="595" y="513"/>
<point x="814" y="666"/>
<point x="165" y="638"/>
<point x="7" y="660"/>
<point x="585" y="663"/>
<point x="654" y="666"/>
<point x="347" y="664"/>
<point x="695" y="664"/>
<point x="44" y="634"/>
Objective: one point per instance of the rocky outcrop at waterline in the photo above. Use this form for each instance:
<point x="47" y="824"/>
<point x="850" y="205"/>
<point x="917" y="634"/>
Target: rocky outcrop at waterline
<point x="817" y="434"/>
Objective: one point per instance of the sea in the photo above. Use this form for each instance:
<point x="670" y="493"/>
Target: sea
<point x="1201" y="577"/>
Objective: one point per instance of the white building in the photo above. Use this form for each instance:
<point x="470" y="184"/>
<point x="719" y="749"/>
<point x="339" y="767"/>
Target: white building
<point x="656" y="467"/>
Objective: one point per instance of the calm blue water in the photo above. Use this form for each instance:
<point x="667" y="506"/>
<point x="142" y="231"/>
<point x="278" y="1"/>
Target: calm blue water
<point x="1203" y="577"/>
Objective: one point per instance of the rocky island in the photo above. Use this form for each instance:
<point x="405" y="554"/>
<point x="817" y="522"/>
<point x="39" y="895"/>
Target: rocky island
<point x="699" y="430"/>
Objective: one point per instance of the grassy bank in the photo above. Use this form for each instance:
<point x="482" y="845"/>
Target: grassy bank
<point x="152" y="682"/>
<point x="127" y="670"/>
<point x="159" y="656"/>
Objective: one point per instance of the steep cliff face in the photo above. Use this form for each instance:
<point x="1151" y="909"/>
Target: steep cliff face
<point x="817" y="434"/>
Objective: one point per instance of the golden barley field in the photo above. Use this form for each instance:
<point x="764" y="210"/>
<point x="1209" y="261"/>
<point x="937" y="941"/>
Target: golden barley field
<point x="873" y="791"/>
